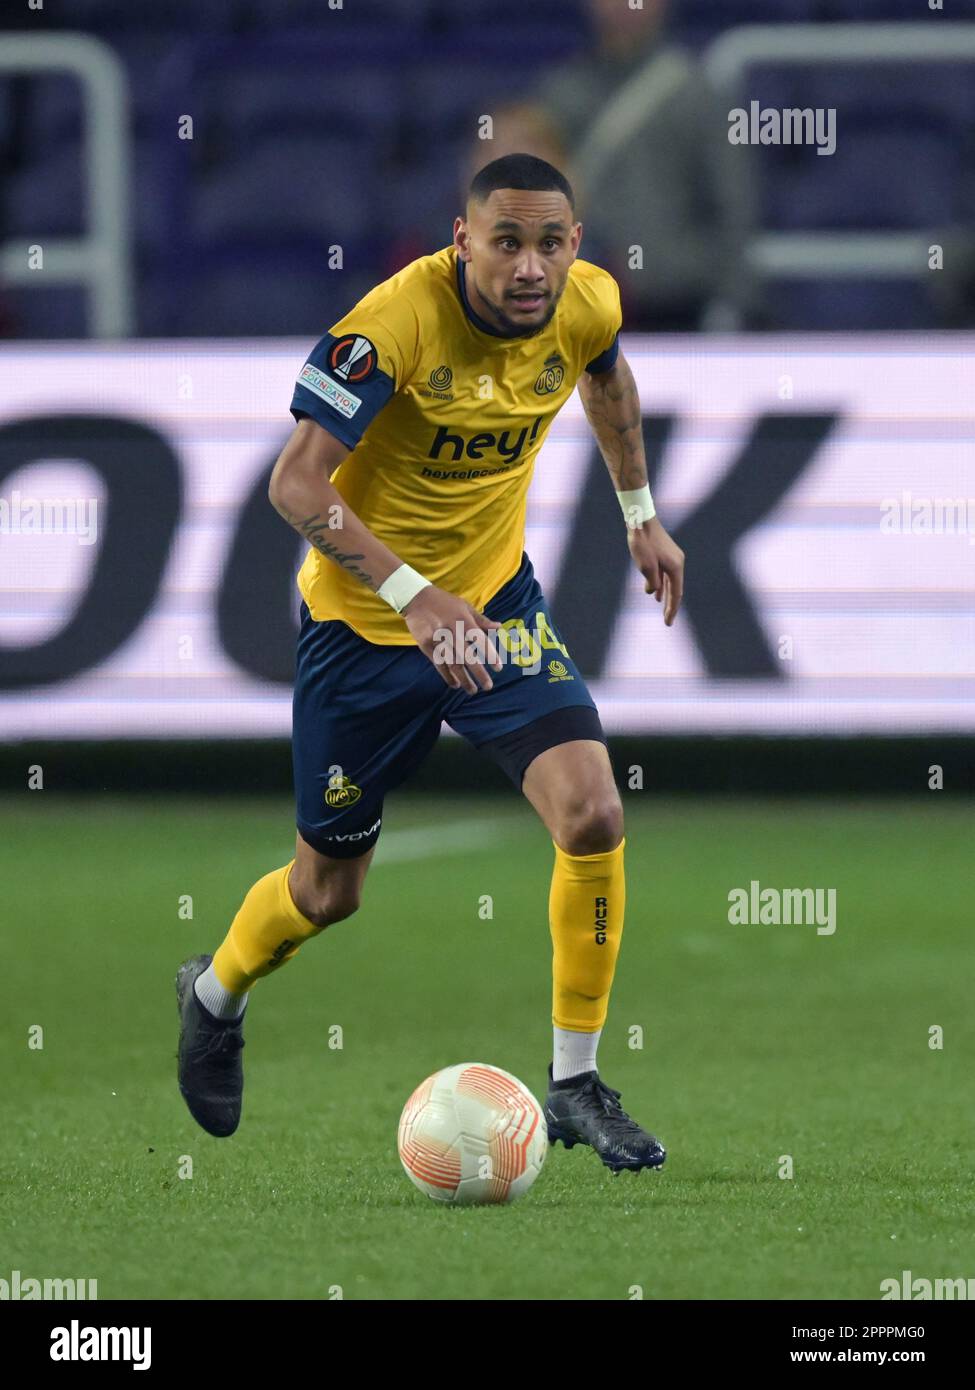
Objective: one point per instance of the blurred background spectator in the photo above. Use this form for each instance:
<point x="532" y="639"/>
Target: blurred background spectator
<point x="644" y="141"/>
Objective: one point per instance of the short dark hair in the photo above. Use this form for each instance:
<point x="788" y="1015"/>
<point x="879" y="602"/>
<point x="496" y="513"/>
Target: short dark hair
<point x="523" y="171"/>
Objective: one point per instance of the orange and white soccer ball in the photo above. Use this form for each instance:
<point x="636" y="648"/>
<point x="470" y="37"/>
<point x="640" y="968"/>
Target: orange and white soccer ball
<point x="472" y="1134"/>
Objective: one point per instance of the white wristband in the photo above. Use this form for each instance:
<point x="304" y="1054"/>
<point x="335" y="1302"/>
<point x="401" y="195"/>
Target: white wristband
<point x="402" y="585"/>
<point x="637" y="506"/>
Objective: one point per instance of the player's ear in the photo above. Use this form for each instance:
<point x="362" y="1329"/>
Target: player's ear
<point x="461" y="234"/>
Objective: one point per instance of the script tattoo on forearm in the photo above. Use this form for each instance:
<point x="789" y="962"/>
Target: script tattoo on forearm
<point x="316" y="531"/>
<point x="612" y="405"/>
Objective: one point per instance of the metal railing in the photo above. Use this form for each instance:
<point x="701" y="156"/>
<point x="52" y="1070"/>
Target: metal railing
<point x="815" y="254"/>
<point x="101" y="258"/>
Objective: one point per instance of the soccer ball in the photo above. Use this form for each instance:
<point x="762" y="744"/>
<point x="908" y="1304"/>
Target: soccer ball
<point x="472" y="1134"/>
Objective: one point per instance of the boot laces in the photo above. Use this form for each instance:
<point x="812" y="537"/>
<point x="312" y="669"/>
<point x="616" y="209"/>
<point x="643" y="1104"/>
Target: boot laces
<point x="223" y="1040"/>
<point x="610" y="1102"/>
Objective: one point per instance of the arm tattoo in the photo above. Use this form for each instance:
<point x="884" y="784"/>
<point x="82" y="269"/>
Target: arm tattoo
<point x="315" y="531"/>
<point x="612" y="405"/>
<point x="312" y="527"/>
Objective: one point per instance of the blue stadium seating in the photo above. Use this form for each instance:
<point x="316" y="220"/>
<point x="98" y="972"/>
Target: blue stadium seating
<point x="899" y="156"/>
<point x="113" y="17"/>
<point x="282" y="291"/>
<point x="723" y="14"/>
<point x="873" y="11"/>
<point x="46" y="199"/>
<point x="284" y="186"/>
<point x="506" y="16"/>
<point x="56" y="312"/>
<point x="840" y="305"/>
<point x="314" y="126"/>
<point x="444" y="105"/>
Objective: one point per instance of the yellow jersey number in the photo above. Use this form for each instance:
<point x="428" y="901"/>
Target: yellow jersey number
<point x="525" y="645"/>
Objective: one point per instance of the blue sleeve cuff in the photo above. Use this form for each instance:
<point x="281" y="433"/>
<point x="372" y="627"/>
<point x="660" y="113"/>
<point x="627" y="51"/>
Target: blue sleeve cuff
<point x="606" y="360"/>
<point x="304" y="403"/>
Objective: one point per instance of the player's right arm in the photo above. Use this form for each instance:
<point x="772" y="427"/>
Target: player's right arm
<point x="301" y="492"/>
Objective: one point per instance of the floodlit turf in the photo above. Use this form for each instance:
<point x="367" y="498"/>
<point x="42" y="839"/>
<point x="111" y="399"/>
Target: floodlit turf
<point x="759" y="1041"/>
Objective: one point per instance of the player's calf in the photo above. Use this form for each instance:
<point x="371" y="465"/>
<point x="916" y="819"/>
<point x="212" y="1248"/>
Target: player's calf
<point x="326" y="890"/>
<point x="326" y="903"/>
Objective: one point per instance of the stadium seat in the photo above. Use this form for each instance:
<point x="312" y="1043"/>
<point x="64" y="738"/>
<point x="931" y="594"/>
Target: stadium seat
<point x="444" y="104"/>
<point x="504" y="14"/>
<point x="56" y="312"/>
<point x="54" y="101"/>
<point x="280" y="16"/>
<point x="430" y="196"/>
<point x="718" y="15"/>
<point x="260" y="293"/>
<point x="898" y="161"/>
<point x="308" y="98"/>
<point x="828" y="305"/>
<point x="109" y="18"/>
<point x="45" y="197"/>
<point x="891" y="89"/>
<point x="283" y="186"/>
<point x="881" y="177"/>
<point x="876" y="11"/>
<point x="55" y="105"/>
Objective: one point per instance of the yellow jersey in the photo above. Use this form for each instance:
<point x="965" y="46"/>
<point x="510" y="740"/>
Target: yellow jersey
<point x="445" y="416"/>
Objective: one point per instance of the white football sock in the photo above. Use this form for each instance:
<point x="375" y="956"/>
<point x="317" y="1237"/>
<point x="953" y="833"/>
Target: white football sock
<point x="574" y="1053"/>
<point x="217" y="1000"/>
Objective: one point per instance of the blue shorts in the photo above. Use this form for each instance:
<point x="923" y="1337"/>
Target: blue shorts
<point x="365" y="716"/>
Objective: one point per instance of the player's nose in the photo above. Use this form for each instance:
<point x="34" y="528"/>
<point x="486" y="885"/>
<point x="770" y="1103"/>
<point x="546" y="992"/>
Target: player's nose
<point x="530" y="272"/>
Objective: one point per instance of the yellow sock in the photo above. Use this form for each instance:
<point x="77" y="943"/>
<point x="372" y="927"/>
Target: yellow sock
<point x="585" y="910"/>
<point x="267" y="931"/>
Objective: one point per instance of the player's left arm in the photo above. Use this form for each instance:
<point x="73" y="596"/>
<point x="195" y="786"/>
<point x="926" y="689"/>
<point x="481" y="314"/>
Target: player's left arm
<point x="612" y="405"/>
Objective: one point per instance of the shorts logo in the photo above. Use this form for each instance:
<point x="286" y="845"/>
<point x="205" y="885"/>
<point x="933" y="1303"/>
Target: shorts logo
<point x="342" y="792"/>
<point x="352" y="358"/>
<point x="558" y="671"/>
<point x="317" y="382"/>
<point x="551" y="377"/>
<point x="358" y="834"/>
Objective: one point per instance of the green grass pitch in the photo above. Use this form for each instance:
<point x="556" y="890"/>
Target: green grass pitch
<point x="759" y="1042"/>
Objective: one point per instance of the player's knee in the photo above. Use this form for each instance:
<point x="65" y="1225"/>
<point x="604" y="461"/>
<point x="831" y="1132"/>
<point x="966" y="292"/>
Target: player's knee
<point x="592" y="825"/>
<point x="328" y="902"/>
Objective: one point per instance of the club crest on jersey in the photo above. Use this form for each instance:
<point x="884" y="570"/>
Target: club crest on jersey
<point x="551" y="376"/>
<point x="342" y="792"/>
<point x="352" y="358"/>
